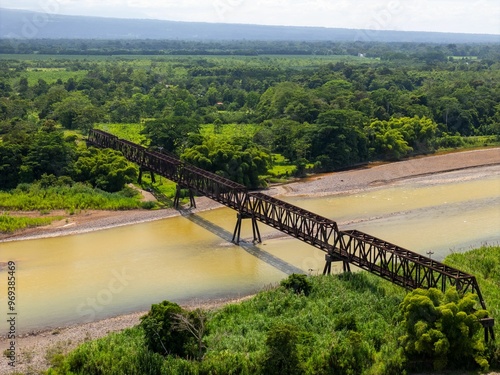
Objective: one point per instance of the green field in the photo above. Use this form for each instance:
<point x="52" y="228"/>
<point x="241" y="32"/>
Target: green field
<point x="129" y="132"/>
<point x="52" y="75"/>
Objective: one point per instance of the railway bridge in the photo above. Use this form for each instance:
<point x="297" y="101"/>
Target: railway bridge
<point x="391" y="262"/>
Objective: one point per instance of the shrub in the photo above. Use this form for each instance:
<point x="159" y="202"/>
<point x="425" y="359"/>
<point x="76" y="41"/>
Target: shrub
<point x="117" y="353"/>
<point x="297" y="283"/>
<point x="350" y="354"/>
<point x="443" y="328"/>
<point x="148" y="205"/>
<point x="450" y="141"/>
<point x="281" y="351"/>
<point x="390" y="360"/>
<point x="161" y="335"/>
<point x="347" y="322"/>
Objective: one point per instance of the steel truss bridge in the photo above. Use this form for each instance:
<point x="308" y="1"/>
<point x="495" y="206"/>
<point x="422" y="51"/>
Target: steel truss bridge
<point x="400" y="266"/>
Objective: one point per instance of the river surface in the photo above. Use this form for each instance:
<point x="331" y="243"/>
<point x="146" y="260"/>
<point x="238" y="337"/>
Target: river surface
<point x="86" y="277"/>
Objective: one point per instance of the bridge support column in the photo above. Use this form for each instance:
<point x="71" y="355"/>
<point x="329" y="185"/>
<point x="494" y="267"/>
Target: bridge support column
<point x="488" y="329"/>
<point x="237" y="228"/>
<point x="329" y="258"/>
<point x="139" y="179"/>
<point x="177" y="197"/>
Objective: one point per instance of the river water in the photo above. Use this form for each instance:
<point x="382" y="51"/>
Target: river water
<point x="86" y="277"/>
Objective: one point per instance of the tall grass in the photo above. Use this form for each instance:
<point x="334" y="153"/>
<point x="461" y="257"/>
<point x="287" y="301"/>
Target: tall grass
<point x="484" y="263"/>
<point x="76" y="197"/>
<point x="9" y="224"/>
<point x="230" y="131"/>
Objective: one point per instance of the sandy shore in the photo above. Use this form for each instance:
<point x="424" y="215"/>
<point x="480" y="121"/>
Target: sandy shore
<point x="32" y="349"/>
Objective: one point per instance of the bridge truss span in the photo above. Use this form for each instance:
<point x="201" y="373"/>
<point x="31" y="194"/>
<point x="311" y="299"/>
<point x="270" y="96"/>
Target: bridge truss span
<point x="403" y="267"/>
<point x="391" y="262"/>
<point x="307" y="226"/>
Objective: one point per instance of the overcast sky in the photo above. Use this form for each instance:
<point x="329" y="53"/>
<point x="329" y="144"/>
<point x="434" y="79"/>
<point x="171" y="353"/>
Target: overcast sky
<point x="463" y="16"/>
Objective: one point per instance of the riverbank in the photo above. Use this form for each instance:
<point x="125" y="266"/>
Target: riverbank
<point x="384" y="174"/>
<point x="33" y="348"/>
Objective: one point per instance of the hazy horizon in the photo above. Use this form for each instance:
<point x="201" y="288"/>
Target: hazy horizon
<point x="471" y="17"/>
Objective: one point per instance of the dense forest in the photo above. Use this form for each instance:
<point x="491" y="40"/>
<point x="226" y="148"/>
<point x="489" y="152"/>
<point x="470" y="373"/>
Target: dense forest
<point x="239" y="116"/>
<point x="416" y="52"/>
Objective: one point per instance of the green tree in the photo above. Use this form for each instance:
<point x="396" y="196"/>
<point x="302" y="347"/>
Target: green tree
<point x="281" y="351"/>
<point x="337" y="92"/>
<point x="76" y="111"/>
<point x="242" y="162"/>
<point x="194" y="323"/>
<point x="23" y="87"/>
<point x="418" y="132"/>
<point x="290" y="100"/>
<point x="289" y="138"/>
<point x="19" y="133"/>
<point x="160" y="332"/>
<point x="349" y="354"/>
<point x="123" y="111"/>
<point x="338" y="139"/>
<point x="11" y="108"/>
<point x="252" y="99"/>
<point x="105" y="169"/>
<point x="212" y="95"/>
<point x="443" y="328"/>
<point x="49" y="153"/>
<point x="172" y="132"/>
<point x="10" y="165"/>
<point x="44" y="103"/>
<point x="399" y="136"/>
<point x="41" y="87"/>
<point x="387" y="142"/>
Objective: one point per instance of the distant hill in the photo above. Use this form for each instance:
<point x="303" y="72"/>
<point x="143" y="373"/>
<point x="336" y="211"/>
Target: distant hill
<point x="20" y="24"/>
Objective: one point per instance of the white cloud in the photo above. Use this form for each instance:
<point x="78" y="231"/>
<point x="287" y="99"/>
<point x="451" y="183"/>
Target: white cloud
<point x="478" y="16"/>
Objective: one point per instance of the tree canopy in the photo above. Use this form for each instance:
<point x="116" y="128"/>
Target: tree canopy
<point x="324" y="109"/>
<point x="443" y="327"/>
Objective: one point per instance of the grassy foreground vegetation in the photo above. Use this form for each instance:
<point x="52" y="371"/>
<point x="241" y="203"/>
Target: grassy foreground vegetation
<point x="484" y="263"/>
<point x="9" y="224"/>
<point x="71" y="198"/>
<point x="343" y="324"/>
